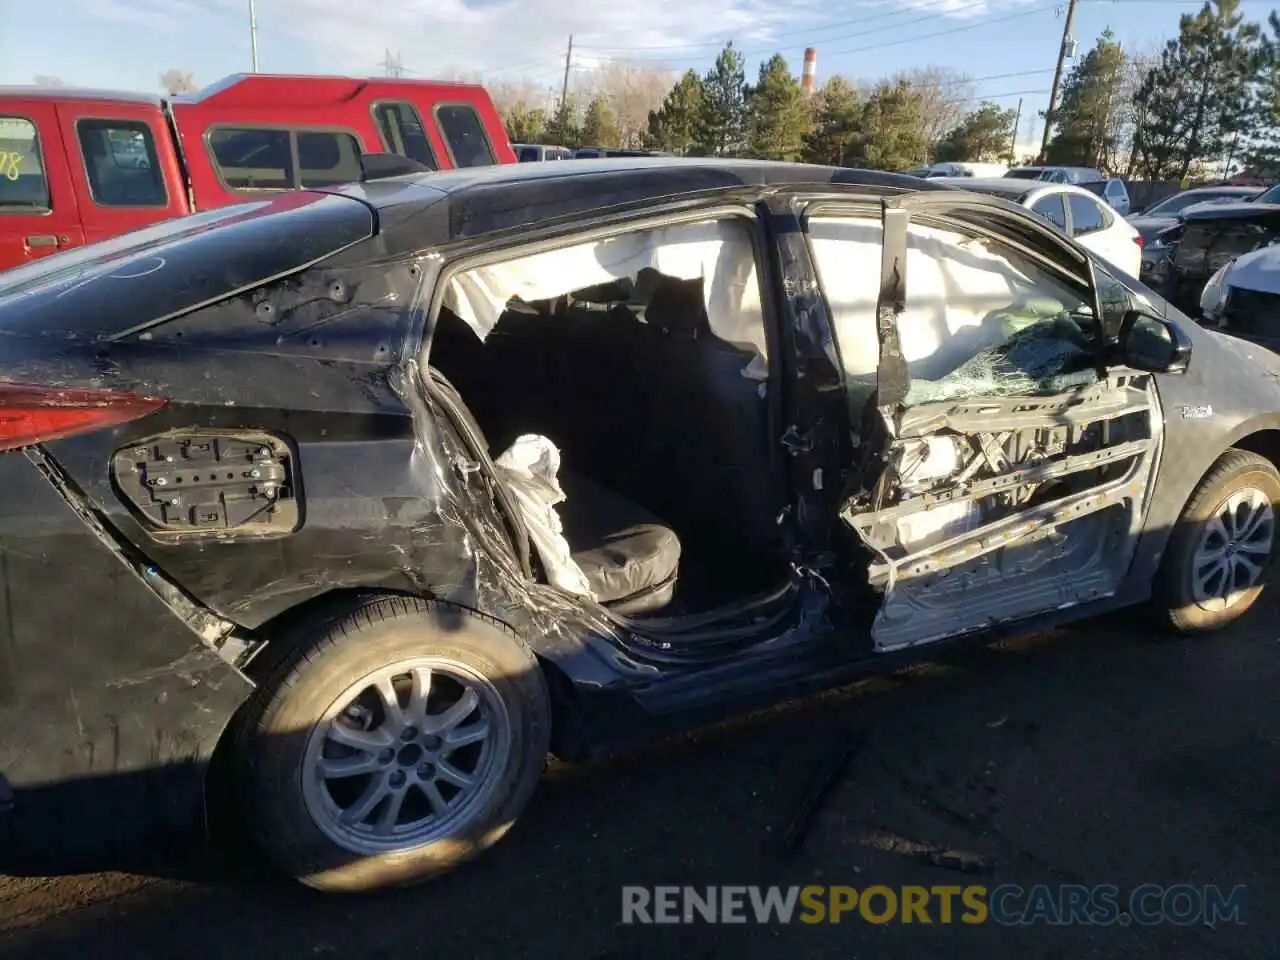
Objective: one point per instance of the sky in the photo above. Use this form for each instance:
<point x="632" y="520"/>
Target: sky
<point x="1008" y="46"/>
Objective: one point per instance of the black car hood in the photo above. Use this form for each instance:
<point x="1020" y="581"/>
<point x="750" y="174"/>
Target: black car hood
<point x="1235" y="211"/>
<point x="1150" y="226"/>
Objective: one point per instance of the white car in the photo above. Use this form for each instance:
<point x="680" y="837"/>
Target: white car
<point x="1073" y="210"/>
<point x="1243" y="298"/>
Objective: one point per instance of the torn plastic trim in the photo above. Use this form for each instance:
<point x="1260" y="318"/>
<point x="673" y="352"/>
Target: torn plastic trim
<point x="865" y="522"/>
<point x="995" y="416"/>
<point x="222" y="636"/>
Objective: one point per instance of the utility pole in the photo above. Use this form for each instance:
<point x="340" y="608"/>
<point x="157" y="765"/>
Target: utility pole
<point x="253" y="35"/>
<point x="1013" y="144"/>
<point x="564" y="90"/>
<point x="1057" y="77"/>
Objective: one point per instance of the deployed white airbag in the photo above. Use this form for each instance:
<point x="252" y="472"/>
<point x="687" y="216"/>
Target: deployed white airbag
<point x="718" y="252"/>
<point x="531" y="468"/>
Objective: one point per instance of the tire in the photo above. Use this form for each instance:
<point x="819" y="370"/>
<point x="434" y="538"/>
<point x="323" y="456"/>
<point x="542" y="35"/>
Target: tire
<point x="1235" y="473"/>
<point x="287" y="736"/>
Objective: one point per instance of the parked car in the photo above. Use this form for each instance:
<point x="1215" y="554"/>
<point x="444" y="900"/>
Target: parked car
<point x="595" y="153"/>
<point x="1071" y="209"/>
<point x="377" y="493"/>
<point x="84" y="165"/>
<point x="1165" y="213"/>
<point x="965" y="169"/>
<point x="1207" y="238"/>
<point x="1055" y="174"/>
<point x="1243" y="298"/>
<point x="1113" y="191"/>
<point x="540" y="152"/>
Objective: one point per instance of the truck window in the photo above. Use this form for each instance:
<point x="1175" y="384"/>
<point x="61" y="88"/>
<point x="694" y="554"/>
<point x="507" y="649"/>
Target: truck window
<point x="328" y="159"/>
<point x="121" y="163"/>
<point x="403" y="133"/>
<point x="23" y="185"/>
<point x="253" y="159"/>
<point x="464" y="133"/>
<point x="259" y="158"/>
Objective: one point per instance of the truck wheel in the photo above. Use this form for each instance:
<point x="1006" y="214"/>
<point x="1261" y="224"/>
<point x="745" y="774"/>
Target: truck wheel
<point x="1220" y="554"/>
<point x="401" y="740"/>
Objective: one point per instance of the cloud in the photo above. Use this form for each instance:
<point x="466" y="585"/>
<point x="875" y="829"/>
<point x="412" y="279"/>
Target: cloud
<point x="505" y="39"/>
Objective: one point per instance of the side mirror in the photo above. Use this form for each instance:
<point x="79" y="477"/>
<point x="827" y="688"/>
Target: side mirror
<point x="1152" y="344"/>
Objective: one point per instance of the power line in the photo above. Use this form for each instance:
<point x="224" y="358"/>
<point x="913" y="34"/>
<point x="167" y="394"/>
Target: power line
<point x="809" y="31"/>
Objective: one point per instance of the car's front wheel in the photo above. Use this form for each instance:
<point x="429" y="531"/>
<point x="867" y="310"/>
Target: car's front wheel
<point x="395" y="743"/>
<point x="1221" y="551"/>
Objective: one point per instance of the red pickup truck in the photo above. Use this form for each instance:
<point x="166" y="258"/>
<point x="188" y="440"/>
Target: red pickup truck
<point x="77" y="166"/>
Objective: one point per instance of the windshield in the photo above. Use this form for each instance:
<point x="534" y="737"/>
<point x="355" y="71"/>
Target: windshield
<point x="1029" y="173"/>
<point x="1271" y="196"/>
<point x="1180" y="202"/>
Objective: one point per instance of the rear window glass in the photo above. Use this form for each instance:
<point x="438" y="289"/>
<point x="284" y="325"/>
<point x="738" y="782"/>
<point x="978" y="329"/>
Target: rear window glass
<point x="528" y="154"/>
<point x="1086" y="215"/>
<point x="1052" y="209"/>
<point x="464" y="133"/>
<point x="403" y="133"/>
<point x="252" y="158"/>
<point x="121" y="163"/>
<point x="22" y="180"/>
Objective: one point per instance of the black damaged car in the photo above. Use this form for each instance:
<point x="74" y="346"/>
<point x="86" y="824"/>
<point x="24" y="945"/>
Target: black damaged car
<point x="1210" y="236"/>
<point x="355" y="504"/>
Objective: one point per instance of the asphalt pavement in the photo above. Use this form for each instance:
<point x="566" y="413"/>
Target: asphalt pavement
<point x="1099" y="755"/>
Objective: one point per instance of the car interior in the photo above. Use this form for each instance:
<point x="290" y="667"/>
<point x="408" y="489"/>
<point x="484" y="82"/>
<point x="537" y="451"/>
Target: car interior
<point x="651" y="383"/>
<point x="642" y="360"/>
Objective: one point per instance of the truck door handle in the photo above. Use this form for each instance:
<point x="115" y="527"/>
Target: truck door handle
<point x="42" y="240"/>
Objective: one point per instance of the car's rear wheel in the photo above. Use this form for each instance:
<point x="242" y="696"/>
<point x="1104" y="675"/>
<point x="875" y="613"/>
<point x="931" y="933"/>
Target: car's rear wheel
<point x="397" y="742"/>
<point x="1221" y="551"/>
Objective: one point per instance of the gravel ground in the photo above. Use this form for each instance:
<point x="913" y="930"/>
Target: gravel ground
<point x="1097" y="755"/>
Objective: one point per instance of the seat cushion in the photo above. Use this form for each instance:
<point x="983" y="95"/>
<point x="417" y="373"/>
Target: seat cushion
<point x="630" y="558"/>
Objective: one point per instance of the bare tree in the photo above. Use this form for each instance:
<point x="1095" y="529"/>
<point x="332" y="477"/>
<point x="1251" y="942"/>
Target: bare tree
<point x="44" y="80"/>
<point x="946" y="95"/>
<point x="177" y="81"/>
<point x="633" y="90"/>
<point x="507" y="95"/>
<point x="1125" y="116"/>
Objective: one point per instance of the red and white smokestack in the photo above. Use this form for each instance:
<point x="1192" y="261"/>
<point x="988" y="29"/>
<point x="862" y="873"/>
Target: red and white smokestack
<point x="810" y="70"/>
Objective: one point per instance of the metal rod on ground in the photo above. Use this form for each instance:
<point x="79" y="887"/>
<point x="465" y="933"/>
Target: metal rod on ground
<point x="1057" y="78"/>
<point x="253" y="36"/>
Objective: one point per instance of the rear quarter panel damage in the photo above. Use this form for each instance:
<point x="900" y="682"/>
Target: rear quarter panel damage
<point x="111" y="706"/>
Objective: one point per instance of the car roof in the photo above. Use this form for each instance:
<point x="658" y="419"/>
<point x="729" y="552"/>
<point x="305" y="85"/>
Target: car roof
<point x="1012" y="188"/>
<point x="432" y="209"/>
<point x="1221" y="188"/>
<point x="1009" y="187"/>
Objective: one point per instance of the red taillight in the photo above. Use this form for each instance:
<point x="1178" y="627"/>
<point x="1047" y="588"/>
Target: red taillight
<point x="1138" y="239"/>
<point x="37" y="414"/>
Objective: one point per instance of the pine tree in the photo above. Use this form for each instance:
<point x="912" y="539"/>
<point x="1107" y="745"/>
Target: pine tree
<point x="1083" y="136"/>
<point x="985" y="134"/>
<point x="724" y="105"/>
<point x="677" y="124"/>
<point x="891" y="134"/>
<point x="525" y="124"/>
<point x="1264" y="153"/>
<point x="836" y="118"/>
<point x="1196" y="104"/>
<point x="778" y="114"/>
<point x="599" y="126"/>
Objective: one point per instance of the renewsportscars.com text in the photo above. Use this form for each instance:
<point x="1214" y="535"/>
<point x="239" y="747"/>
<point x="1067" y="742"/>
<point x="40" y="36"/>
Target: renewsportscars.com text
<point x="1006" y="905"/>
